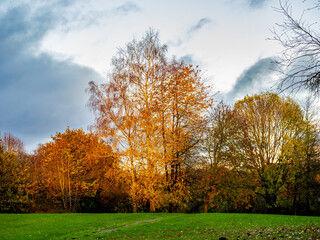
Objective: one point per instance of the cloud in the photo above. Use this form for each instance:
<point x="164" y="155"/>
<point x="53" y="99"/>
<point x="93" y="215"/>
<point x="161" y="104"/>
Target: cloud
<point x="126" y="8"/>
<point x="256" y="3"/>
<point x="38" y="94"/>
<point x="192" y="30"/>
<point x="199" y="25"/>
<point x="188" y="59"/>
<point x="257" y="77"/>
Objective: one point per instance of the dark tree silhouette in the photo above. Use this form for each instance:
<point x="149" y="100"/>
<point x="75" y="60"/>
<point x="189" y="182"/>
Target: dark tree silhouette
<point x="300" y="59"/>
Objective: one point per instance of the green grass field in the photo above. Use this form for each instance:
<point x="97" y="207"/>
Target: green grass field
<point x="153" y="226"/>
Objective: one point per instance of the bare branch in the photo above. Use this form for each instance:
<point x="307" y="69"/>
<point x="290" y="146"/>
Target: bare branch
<point x="299" y="62"/>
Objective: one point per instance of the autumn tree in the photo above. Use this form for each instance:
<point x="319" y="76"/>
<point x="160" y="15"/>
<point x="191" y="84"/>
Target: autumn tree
<point x="73" y="165"/>
<point x="269" y="131"/>
<point x="221" y="186"/>
<point x="300" y="39"/>
<point x="221" y="189"/>
<point x="125" y="113"/>
<point x="183" y="120"/>
<point x="218" y="132"/>
<point x="12" y="144"/>
<point x="14" y="182"/>
<point x="152" y="109"/>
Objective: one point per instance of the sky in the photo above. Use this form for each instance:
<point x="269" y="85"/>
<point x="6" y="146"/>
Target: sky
<point x="50" y="50"/>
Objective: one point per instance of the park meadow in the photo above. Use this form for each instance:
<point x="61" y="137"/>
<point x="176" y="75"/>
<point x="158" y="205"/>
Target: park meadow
<point x="158" y="226"/>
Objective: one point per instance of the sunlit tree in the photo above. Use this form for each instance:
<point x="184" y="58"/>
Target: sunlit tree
<point x="74" y="164"/>
<point x="153" y="110"/>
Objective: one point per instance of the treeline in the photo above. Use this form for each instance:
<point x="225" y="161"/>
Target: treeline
<point x="262" y="155"/>
<point x="161" y="144"/>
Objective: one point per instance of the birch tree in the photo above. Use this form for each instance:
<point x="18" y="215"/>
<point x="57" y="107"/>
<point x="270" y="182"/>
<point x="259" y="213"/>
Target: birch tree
<point x="152" y="109"/>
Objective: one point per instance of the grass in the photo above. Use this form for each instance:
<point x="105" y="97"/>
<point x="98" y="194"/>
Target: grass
<point x="163" y="226"/>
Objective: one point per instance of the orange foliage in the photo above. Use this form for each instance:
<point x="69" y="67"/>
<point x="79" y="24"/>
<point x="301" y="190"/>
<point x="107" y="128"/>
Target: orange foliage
<point x="73" y="165"/>
<point x="153" y="111"/>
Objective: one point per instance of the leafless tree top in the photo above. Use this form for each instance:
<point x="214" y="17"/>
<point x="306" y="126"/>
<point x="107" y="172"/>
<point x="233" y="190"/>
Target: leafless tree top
<point x="300" y="60"/>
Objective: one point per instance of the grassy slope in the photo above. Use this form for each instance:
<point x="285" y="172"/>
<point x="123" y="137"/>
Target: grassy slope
<point x="186" y="226"/>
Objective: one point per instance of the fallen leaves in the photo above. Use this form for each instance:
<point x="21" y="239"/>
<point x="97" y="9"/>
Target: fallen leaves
<point x="271" y="232"/>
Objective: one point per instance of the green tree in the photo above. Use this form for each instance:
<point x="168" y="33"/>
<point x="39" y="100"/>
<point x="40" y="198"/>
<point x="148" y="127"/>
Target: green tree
<point x="304" y="189"/>
<point x="269" y="132"/>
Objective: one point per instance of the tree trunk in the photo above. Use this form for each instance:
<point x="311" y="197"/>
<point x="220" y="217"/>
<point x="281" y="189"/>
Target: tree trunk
<point x="152" y="206"/>
<point x="295" y="199"/>
<point x="205" y="210"/>
<point x="133" y="180"/>
<point x="134" y="207"/>
<point x="171" y="208"/>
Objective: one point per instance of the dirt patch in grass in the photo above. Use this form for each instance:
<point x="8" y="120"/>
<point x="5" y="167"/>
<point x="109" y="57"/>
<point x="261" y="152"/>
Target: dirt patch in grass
<point x="127" y="225"/>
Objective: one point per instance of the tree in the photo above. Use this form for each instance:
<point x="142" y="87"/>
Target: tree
<point x="125" y="113"/>
<point x="300" y="59"/>
<point x="152" y="109"/>
<point x="187" y="102"/>
<point x="221" y="187"/>
<point x="12" y="144"/>
<point x="269" y="131"/>
<point x="311" y="149"/>
<point x="304" y="187"/>
<point x="74" y="165"/>
<point x="219" y="134"/>
<point x="14" y="184"/>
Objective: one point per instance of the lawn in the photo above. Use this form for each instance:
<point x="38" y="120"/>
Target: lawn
<point x="158" y="225"/>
